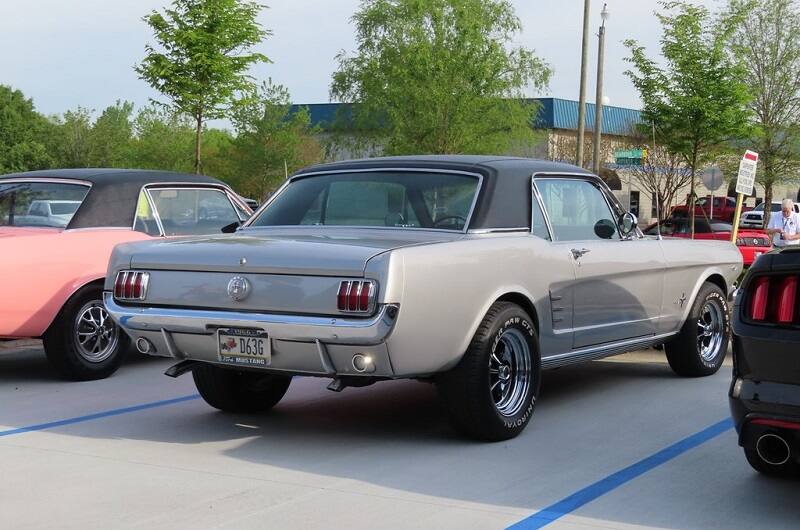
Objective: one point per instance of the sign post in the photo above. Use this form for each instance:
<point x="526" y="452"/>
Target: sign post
<point x="712" y="180"/>
<point x="745" y="181"/>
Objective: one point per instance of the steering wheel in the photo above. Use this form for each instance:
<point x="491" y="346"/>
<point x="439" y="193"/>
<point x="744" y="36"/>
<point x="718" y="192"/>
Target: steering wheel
<point x="449" y="217"/>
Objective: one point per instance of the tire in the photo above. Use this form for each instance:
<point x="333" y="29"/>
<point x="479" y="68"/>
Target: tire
<point x="83" y="343"/>
<point x="491" y="394"/>
<point x="788" y="470"/>
<point x="695" y="354"/>
<point x="239" y="391"/>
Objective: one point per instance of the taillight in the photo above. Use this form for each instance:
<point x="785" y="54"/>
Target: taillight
<point x="131" y="285"/>
<point x="758" y="302"/>
<point x="787" y="293"/>
<point x="774" y="299"/>
<point x="356" y="296"/>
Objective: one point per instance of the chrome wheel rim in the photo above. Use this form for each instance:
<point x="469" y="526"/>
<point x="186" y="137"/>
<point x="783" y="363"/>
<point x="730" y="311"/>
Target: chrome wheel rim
<point x="510" y="372"/>
<point x="710" y="331"/>
<point x="95" y="334"/>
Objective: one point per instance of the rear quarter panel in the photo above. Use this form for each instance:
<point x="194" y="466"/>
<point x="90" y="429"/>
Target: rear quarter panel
<point x="445" y="289"/>
<point x="40" y="269"/>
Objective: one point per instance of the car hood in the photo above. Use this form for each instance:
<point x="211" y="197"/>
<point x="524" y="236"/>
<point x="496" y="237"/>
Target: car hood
<point x="319" y="252"/>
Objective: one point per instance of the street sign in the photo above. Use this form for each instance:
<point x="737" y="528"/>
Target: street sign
<point x="747" y="173"/>
<point x="712" y="178"/>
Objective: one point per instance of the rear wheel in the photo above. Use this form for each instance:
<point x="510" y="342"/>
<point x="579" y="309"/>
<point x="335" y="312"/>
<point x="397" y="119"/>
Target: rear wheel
<point x="491" y="393"/>
<point x="239" y="391"/>
<point x="702" y="343"/>
<point x="83" y="343"/>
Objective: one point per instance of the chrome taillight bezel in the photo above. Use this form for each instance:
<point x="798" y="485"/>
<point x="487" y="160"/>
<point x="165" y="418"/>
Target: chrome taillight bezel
<point x="354" y="289"/>
<point x="128" y="282"/>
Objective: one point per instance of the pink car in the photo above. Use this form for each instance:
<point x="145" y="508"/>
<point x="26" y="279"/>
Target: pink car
<point x="57" y="230"/>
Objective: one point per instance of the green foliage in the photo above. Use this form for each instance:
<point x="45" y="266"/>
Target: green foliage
<point x="25" y="135"/>
<point x="767" y="44"/>
<point x="697" y="100"/>
<point x="74" y="129"/>
<point x="270" y="140"/>
<point x="163" y="140"/>
<point x="111" y="136"/>
<point x="439" y="76"/>
<point x="204" y="58"/>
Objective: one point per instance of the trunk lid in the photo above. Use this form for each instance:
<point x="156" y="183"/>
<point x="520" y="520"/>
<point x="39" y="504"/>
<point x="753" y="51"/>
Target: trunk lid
<point x="303" y="252"/>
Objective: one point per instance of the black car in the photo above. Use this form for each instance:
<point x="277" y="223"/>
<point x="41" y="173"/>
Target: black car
<point x="765" y="392"/>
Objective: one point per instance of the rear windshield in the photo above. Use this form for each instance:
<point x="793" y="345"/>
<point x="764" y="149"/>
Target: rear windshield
<point x="376" y="199"/>
<point x="44" y="204"/>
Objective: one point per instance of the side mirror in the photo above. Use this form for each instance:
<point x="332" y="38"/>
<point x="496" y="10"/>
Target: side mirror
<point x="627" y="223"/>
<point x="231" y="228"/>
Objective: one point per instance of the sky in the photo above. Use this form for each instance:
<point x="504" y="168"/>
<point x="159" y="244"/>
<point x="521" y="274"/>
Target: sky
<point x="66" y="54"/>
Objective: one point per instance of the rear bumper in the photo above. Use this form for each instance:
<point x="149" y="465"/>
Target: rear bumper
<point x="299" y="344"/>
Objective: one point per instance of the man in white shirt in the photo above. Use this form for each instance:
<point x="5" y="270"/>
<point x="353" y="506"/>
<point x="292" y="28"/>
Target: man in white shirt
<point x="785" y="228"/>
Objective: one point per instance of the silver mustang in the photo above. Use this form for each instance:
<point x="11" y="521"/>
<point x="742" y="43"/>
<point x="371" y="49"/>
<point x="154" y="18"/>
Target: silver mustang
<point x="476" y="273"/>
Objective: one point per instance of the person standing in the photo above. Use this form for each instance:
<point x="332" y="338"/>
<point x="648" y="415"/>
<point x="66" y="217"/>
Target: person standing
<point x="785" y="228"/>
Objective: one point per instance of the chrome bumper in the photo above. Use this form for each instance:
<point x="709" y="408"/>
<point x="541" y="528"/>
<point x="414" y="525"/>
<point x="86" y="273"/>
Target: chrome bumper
<point x="301" y="344"/>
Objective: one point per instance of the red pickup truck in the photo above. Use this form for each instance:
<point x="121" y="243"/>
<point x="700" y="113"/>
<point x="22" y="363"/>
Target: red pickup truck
<point x="724" y="208"/>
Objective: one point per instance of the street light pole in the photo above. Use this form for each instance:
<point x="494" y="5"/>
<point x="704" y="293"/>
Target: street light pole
<point x="582" y="95"/>
<point x="598" y="108"/>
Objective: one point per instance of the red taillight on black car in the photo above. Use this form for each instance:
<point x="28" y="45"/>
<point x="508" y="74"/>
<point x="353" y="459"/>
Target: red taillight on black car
<point x="774" y="300"/>
<point x="356" y="296"/>
<point x="131" y="285"/>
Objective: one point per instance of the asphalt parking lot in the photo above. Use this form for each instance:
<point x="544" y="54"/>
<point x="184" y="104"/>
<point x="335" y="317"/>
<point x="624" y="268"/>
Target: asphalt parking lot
<point x="613" y="444"/>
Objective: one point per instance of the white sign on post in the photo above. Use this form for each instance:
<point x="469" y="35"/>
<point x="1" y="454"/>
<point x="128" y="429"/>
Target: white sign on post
<point x="747" y="173"/>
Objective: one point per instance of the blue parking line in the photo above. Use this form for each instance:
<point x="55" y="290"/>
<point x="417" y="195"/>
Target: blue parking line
<point x="601" y="487"/>
<point x="98" y="415"/>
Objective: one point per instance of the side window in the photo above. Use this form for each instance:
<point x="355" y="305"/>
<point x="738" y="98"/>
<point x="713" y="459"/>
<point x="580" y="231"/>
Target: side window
<point x="538" y="226"/>
<point x="190" y="211"/>
<point x="577" y="210"/>
<point x="145" y="220"/>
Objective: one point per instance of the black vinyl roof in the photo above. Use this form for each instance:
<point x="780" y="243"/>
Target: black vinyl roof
<point x="112" y="199"/>
<point x="505" y="198"/>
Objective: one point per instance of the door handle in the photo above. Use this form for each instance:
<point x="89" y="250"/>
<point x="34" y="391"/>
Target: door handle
<point x="578" y="253"/>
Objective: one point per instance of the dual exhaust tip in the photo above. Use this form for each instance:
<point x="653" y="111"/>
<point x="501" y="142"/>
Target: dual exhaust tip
<point x="773" y="449"/>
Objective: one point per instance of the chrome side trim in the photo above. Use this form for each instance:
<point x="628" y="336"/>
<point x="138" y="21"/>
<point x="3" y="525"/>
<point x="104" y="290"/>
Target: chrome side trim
<point x="497" y="230"/>
<point x="331" y="330"/>
<point x="291" y="179"/>
<point x="50" y="180"/>
<point x="605" y="350"/>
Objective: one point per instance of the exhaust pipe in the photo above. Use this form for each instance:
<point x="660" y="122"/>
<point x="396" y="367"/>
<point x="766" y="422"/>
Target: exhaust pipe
<point x="144" y="346"/>
<point x="773" y="449"/>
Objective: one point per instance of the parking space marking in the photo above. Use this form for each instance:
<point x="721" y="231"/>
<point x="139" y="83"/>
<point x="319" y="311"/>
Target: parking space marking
<point x="98" y="415"/>
<point x="611" y="482"/>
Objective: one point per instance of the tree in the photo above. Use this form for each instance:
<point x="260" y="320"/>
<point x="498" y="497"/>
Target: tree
<point x="768" y="45"/>
<point x="439" y="76"/>
<point x="271" y="140"/>
<point x="162" y="140"/>
<point x="25" y="135"/>
<point x="697" y="101"/>
<point x="662" y="174"/>
<point x="74" y="129"/>
<point x="206" y="54"/>
<point x="109" y="141"/>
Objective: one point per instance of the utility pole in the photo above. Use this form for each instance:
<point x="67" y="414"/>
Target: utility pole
<point x="598" y="105"/>
<point x="582" y="96"/>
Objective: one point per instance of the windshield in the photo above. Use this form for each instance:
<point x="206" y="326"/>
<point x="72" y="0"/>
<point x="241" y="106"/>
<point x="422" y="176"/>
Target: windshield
<point x="39" y="203"/>
<point x="376" y="199"/>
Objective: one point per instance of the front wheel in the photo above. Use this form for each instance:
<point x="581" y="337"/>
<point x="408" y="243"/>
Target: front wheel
<point x="239" y="391"/>
<point x="700" y="347"/>
<point x="491" y="394"/>
<point x="83" y="343"/>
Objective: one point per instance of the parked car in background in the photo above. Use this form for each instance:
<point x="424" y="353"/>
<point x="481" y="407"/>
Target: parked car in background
<point x="57" y="230"/>
<point x="472" y="272"/>
<point x="755" y="217"/>
<point x="751" y="243"/>
<point x="724" y="208"/>
<point x="765" y="391"/>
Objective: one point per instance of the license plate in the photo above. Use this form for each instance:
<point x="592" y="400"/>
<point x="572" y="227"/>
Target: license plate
<point x="244" y="347"/>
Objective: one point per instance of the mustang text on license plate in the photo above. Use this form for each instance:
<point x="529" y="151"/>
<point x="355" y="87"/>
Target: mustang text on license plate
<point x="244" y="347"/>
